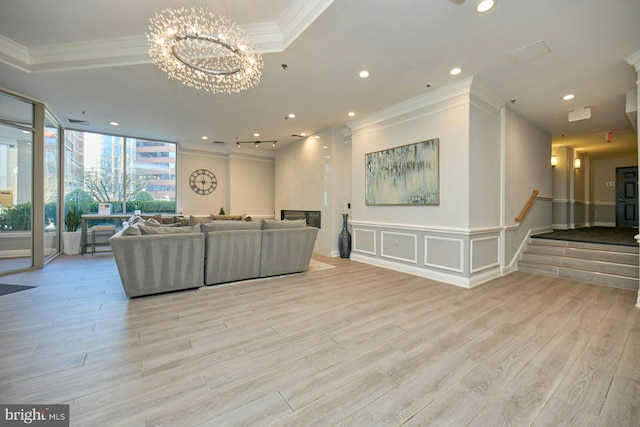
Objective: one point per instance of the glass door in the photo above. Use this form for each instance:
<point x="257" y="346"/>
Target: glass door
<point x="16" y="183"/>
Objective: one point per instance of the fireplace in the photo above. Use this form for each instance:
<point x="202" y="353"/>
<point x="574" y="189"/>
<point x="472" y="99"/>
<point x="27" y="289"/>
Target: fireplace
<point x="312" y="217"/>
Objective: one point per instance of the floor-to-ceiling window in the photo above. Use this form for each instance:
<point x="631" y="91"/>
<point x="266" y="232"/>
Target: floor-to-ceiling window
<point x="127" y="173"/>
<point x="51" y="186"/>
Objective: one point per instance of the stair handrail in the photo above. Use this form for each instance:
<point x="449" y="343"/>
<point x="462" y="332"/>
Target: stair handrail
<point x="527" y="207"/>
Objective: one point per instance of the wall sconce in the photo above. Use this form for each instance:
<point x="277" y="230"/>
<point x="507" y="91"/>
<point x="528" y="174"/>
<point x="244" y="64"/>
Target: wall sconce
<point x="554" y="161"/>
<point x="577" y="163"/>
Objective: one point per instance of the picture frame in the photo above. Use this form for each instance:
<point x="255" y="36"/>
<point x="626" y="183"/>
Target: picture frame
<point x="104" y="208"/>
<point x="407" y="175"/>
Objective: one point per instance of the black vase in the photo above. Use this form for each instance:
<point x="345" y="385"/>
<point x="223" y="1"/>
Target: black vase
<point x="344" y="239"/>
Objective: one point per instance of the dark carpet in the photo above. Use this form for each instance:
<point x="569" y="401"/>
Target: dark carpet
<point x="9" y="289"/>
<point x="604" y="235"/>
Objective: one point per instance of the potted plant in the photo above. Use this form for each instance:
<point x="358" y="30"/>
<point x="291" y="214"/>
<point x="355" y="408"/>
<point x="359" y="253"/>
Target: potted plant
<point x="71" y="238"/>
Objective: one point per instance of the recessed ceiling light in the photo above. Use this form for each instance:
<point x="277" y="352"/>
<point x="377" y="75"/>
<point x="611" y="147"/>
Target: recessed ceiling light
<point x="455" y="71"/>
<point x="303" y="134"/>
<point x="325" y="146"/>
<point x="205" y="137"/>
<point x="364" y="74"/>
<point x="256" y="134"/>
<point x="485" y="5"/>
<point x="291" y="116"/>
<point x="568" y="96"/>
<point x="114" y="123"/>
<point x="351" y="114"/>
<point x="317" y="137"/>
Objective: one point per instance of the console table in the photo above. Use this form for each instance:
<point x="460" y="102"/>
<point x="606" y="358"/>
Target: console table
<point x="87" y="217"/>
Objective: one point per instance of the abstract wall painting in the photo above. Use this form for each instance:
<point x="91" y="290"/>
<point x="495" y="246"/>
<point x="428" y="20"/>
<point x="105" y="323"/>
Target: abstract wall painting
<point x="405" y="175"/>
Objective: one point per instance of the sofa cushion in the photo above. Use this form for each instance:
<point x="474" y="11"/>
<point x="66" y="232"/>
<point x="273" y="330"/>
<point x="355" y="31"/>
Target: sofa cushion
<point x="230" y="225"/>
<point x="200" y="219"/>
<point x="268" y="224"/>
<point x="168" y="230"/>
<point x="229" y="217"/>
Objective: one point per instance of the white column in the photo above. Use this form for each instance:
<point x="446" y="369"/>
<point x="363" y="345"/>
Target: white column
<point x="634" y="61"/>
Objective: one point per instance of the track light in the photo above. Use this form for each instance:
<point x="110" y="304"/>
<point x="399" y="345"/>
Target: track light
<point x="254" y="142"/>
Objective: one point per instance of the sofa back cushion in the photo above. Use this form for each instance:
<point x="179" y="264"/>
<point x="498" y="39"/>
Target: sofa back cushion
<point x="168" y="230"/>
<point x="269" y="224"/>
<point x="230" y="225"/>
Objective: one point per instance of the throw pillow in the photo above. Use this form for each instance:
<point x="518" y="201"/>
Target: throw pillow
<point x="200" y="219"/>
<point x="229" y="217"/>
<point x="149" y="221"/>
<point x="268" y="224"/>
<point x="156" y="217"/>
<point x="169" y="230"/>
<point x="131" y="230"/>
<point x="165" y="220"/>
<point x="180" y="220"/>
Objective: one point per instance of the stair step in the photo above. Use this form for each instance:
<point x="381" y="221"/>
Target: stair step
<point x="598" y="263"/>
<point x="583" y="264"/>
<point x="595" y="277"/>
<point x="593" y="254"/>
<point x="584" y="245"/>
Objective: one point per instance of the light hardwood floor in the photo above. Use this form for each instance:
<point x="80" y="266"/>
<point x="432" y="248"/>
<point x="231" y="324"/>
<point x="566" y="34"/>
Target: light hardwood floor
<point x="354" y="345"/>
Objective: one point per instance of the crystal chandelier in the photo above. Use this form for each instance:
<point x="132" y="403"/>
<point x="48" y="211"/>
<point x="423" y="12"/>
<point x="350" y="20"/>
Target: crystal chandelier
<point x="203" y="51"/>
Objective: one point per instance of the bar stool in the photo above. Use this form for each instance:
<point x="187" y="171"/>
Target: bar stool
<point x="101" y="230"/>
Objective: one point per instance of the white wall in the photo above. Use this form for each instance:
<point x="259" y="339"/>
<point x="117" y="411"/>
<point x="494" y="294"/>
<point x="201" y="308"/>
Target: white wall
<point x="191" y="203"/>
<point x="246" y="183"/>
<point x="457" y="241"/>
<point x="528" y="164"/>
<point x="251" y="186"/>
<point x="305" y="181"/>
<point x="527" y="168"/>
<point x="484" y="163"/>
<point x="447" y="120"/>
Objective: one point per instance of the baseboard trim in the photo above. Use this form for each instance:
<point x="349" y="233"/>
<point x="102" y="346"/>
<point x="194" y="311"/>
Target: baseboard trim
<point x="450" y="279"/>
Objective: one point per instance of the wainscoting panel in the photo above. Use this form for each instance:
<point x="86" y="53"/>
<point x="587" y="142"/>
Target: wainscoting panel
<point x="485" y="253"/>
<point x="364" y="241"/>
<point x="461" y="257"/>
<point x="445" y="253"/>
<point x="399" y="246"/>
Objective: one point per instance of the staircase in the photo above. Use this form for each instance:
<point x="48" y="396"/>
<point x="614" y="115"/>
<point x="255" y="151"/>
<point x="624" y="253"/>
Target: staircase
<point x="601" y="264"/>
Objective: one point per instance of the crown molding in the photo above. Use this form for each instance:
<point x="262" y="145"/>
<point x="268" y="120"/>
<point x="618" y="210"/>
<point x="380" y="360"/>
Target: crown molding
<point x="270" y="37"/>
<point x="633" y="60"/>
<point x="14" y="54"/>
<point x="463" y="87"/>
<point x="298" y="16"/>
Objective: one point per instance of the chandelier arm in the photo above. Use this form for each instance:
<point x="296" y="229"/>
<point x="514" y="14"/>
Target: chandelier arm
<point x="181" y="37"/>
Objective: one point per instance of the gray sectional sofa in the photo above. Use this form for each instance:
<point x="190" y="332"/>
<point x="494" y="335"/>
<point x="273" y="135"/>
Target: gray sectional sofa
<point x="155" y="259"/>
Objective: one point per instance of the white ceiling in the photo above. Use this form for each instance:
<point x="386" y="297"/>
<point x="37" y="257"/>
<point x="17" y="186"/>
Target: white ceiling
<point x="87" y="60"/>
